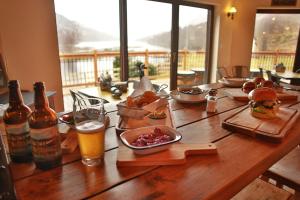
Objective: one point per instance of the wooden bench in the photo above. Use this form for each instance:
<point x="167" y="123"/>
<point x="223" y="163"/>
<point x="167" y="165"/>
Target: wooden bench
<point x="287" y="171"/>
<point x="262" y="190"/>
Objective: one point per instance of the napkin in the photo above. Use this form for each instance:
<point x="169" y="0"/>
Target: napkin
<point x="142" y="86"/>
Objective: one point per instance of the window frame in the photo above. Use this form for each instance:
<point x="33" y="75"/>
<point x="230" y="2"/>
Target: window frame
<point x="174" y="39"/>
<point x="286" y="11"/>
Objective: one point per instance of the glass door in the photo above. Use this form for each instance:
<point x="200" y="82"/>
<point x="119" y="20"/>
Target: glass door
<point x="149" y="39"/>
<point x="275" y="39"/>
<point x="192" y="66"/>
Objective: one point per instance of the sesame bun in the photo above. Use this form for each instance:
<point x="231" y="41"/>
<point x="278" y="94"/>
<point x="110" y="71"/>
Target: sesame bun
<point x="268" y="114"/>
<point x="263" y="94"/>
<point x="268" y="84"/>
<point x="248" y="86"/>
<point x="259" y="80"/>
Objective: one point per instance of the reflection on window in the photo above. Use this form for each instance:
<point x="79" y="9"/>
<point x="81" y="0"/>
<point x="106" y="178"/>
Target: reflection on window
<point x="149" y="39"/>
<point x="88" y="36"/>
<point x="275" y="40"/>
<point x="192" y="45"/>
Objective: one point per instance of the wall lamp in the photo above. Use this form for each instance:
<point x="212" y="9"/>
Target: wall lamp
<point x="231" y="12"/>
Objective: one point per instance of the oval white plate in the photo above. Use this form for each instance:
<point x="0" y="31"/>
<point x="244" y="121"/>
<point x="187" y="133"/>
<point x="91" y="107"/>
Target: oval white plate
<point x="185" y="98"/>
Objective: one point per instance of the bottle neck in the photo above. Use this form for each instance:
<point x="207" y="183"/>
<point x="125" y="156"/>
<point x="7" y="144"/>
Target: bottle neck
<point x="40" y="99"/>
<point x="15" y="96"/>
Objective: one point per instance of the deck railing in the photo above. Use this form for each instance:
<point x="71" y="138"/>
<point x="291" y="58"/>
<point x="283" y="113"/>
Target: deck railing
<point x="267" y="60"/>
<point x="85" y="68"/>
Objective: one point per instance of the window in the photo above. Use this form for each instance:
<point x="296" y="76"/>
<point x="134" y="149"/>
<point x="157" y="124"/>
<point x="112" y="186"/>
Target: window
<point x="89" y="44"/>
<point x="275" y="39"/>
<point x="162" y="35"/>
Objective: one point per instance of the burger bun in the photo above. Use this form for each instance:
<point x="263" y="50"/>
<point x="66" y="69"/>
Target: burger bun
<point x="268" y="84"/>
<point x="248" y="86"/>
<point x="268" y="114"/>
<point x="263" y="94"/>
<point x="259" y="80"/>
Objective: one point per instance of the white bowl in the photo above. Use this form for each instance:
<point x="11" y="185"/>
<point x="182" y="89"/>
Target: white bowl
<point x="129" y="136"/>
<point x="186" y="97"/>
<point x="234" y="82"/>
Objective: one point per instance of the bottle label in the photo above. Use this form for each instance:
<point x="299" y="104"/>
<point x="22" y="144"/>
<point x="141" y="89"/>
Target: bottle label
<point x="45" y="143"/>
<point x="18" y="139"/>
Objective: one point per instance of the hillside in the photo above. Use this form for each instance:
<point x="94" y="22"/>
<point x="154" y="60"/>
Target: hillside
<point x="192" y="37"/>
<point x="280" y="33"/>
<point x="71" y="33"/>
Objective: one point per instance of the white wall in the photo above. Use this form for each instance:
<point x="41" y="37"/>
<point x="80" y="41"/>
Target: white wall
<point x="29" y="44"/>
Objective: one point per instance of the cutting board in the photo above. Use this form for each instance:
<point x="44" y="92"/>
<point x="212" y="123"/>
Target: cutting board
<point x="175" y="155"/>
<point x="270" y="129"/>
<point x="239" y="95"/>
<point x="126" y="123"/>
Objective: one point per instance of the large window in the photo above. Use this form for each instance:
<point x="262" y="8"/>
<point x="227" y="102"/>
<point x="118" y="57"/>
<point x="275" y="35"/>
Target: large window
<point x="88" y="35"/>
<point x="192" y="45"/>
<point x="275" y="39"/>
<point x="115" y="37"/>
<point x="149" y="38"/>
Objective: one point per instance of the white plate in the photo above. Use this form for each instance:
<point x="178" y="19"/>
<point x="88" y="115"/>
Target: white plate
<point x="129" y="136"/>
<point x="185" y="98"/>
<point x="233" y="82"/>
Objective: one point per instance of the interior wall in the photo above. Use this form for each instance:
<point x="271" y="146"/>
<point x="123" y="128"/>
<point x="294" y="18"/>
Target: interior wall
<point x="29" y="44"/>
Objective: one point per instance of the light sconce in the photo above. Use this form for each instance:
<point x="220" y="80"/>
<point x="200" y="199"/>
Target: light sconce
<point x="231" y="12"/>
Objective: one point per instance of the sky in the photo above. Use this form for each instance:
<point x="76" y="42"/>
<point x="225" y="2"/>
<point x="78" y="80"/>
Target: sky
<point x="145" y="18"/>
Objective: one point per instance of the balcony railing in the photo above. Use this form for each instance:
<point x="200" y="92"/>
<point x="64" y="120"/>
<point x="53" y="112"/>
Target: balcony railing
<point x="267" y="60"/>
<point x="84" y="69"/>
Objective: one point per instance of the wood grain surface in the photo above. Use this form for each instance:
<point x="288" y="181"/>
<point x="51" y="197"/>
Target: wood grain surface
<point x="239" y="161"/>
<point x="176" y="154"/>
<point x="239" y="95"/>
<point x="271" y="129"/>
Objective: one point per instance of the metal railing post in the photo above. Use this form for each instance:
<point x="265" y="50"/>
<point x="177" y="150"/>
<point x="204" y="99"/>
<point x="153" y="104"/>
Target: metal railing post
<point x="146" y="70"/>
<point x="184" y="59"/>
<point x="276" y="57"/>
<point x="95" y="67"/>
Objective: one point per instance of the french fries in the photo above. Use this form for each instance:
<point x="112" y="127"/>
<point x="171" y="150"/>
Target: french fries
<point x="145" y="99"/>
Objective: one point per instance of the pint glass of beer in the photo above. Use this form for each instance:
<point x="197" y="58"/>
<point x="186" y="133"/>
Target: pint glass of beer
<point x="90" y="126"/>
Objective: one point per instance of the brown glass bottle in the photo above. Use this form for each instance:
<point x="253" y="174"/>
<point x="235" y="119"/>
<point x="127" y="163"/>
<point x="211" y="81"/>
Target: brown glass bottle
<point x="7" y="189"/>
<point x="16" y="125"/>
<point x="44" y="134"/>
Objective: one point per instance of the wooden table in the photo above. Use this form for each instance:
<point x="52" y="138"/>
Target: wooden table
<point x="239" y="161"/>
<point x="294" y="77"/>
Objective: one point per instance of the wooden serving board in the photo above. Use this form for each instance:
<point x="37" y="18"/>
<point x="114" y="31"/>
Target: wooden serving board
<point x="239" y="95"/>
<point x="175" y="155"/>
<point x="130" y="123"/>
<point x="271" y="129"/>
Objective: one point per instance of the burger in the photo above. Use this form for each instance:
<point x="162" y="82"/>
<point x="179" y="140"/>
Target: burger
<point x="263" y="103"/>
<point x="268" y="84"/>
<point x="248" y="86"/>
<point x="259" y="81"/>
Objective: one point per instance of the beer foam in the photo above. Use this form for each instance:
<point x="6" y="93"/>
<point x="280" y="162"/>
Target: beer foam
<point x="89" y="126"/>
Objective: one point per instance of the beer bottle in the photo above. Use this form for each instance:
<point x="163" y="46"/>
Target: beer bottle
<point x="7" y="189"/>
<point x="16" y="125"/>
<point x="45" y="138"/>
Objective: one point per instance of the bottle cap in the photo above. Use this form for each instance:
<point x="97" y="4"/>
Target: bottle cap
<point x="212" y="92"/>
<point x="39" y="85"/>
<point x="13" y="83"/>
